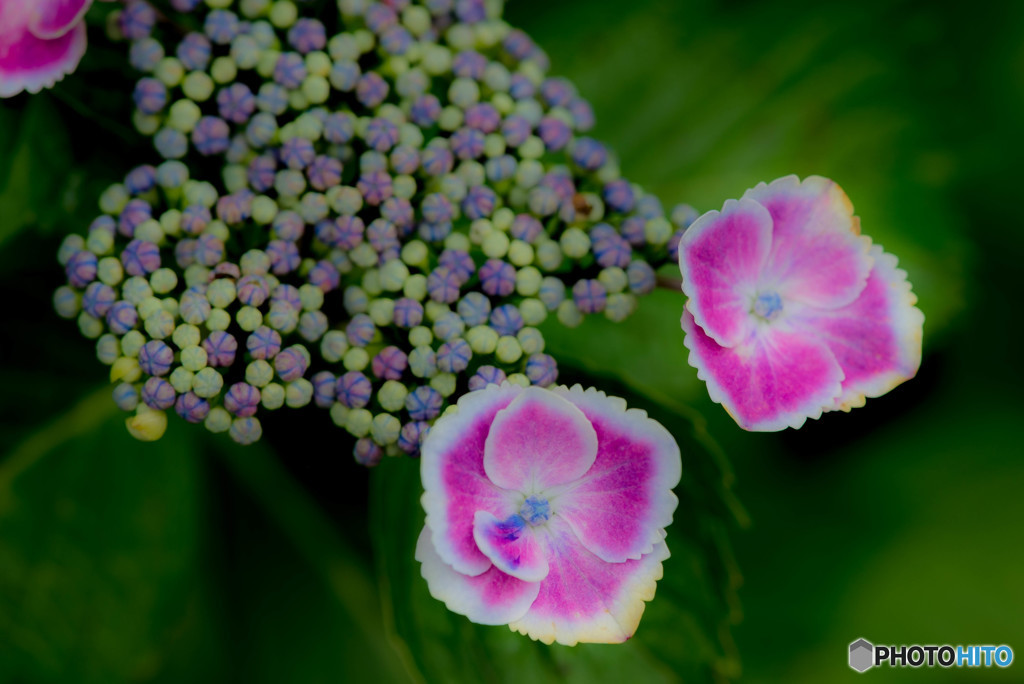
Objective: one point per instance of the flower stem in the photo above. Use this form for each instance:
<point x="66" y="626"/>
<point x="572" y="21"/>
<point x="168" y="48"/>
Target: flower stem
<point x="669" y="283"/>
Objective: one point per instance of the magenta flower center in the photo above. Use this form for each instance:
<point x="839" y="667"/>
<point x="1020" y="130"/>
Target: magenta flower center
<point x="535" y="510"/>
<point x="768" y="306"/>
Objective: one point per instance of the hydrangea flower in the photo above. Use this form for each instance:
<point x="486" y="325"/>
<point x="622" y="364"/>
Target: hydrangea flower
<point x="41" y="41"/>
<point x="790" y="311"/>
<point x="546" y="511"/>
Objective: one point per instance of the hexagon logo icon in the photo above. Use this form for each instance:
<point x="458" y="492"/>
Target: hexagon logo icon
<point x="862" y="655"/>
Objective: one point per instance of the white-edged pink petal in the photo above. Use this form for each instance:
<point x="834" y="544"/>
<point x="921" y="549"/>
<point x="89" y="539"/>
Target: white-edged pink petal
<point x="620" y="507"/>
<point x="511" y="545"/>
<point x="817" y="256"/>
<point x="53" y="18"/>
<point x="30" y="63"/>
<point x="490" y="598"/>
<point x="455" y="485"/>
<point x="538" y="441"/>
<point x="779" y="379"/>
<point x="583" y="598"/>
<point x="877" y="338"/>
<point x="721" y="257"/>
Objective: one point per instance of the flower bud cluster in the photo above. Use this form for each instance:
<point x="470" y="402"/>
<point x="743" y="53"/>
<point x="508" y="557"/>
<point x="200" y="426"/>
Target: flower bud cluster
<point x="370" y="212"/>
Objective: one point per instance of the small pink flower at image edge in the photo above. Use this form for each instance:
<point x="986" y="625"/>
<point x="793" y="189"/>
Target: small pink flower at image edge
<point x="41" y="41"/>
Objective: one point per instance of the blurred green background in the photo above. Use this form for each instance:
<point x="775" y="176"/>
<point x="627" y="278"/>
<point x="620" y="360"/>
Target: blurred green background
<point x="194" y="560"/>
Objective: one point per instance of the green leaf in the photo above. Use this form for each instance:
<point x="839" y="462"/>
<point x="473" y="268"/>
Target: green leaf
<point x="36" y="171"/>
<point x="684" y="635"/>
<point x="646" y="351"/>
<point x="98" y="540"/>
<point x="287" y="564"/>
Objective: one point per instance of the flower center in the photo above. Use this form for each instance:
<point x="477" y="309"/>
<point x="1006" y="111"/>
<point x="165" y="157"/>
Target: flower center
<point x="768" y="306"/>
<point x="535" y="510"/>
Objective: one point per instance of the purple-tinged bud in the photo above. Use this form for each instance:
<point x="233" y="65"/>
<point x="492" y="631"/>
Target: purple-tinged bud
<point x="521" y="87"/>
<point x="137" y="20"/>
<point x="375" y="187"/>
<point x="557" y="92"/>
<point x="479" y="203"/>
<point x="366" y="452"/>
<point x="98" y="299"/>
<point x="372" y="90"/>
<point x="469" y="64"/>
<point x="474" y="308"/>
<point x="194" y="219"/>
<point x="497" y="278"/>
<point x="236" y="103"/>
<point x="554" y="132"/>
<point x="262" y="172"/>
<point x="252" y="290"/>
<point x="242" y="399"/>
<point x="81" y="268"/>
<point x="297" y="153"/>
<point x="641" y="277"/>
<point x="408" y="313"/>
<point x="221" y="26"/>
<point x="140" y="257"/>
<point x="354" y="389"/>
<point x="390" y="363"/>
<point x="136" y="211"/>
<point x="284" y="256"/>
<point x="360" y="330"/>
<point x="542" y="370"/>
<point x="155" y="358"/>
<point x="436" y="208"/>
<point x="582" y="114"/>
<point x="443" y="285"/>
<point x="423" y="403"/>
<point x="192" y="408"/>
<point x="220" y="348"/>
<point x="589" y="154"/>
<point x="263" y="343"/>
<point x="122" y="317"/>
<point x="194" y="51"/>
<point x="307" y="35"/>
<point x="486" y="375"/>
<point x="437" y="161"/>
<point x="210" y="136"/>
<point x="612" y="251"/>
<point x="633" y="230"/>
<point x="506" y="319"/>
<point x="454" y="356"/>
<point x="150" y="95"/>
<point x="158" y="394"/>
<point x="324" y="384"/>
<point x="425" y="110"/>
<point x="290" y="70"/>
<point x="589" y="296"/>
<point x="339" y="128"/>
<point x="458" y="262"/>
<point x="467" y="143"/>
<point x="412" y="436"/>
<point x="291" y="363"/>
<point x="209" y="250"/>
<point x="324" y="275"/>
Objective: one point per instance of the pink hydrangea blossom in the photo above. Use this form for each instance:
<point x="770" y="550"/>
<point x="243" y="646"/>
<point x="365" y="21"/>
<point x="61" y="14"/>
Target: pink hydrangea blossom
<point x="41" y="41"/>
<point x="790" y="311"/>
<point x="546" y="511"/>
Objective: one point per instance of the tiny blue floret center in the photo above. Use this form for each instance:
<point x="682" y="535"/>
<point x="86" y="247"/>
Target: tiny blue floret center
<point x="768" y="305"/>
<point x="535" y="510"/>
